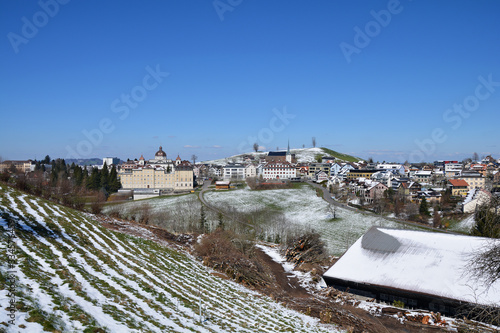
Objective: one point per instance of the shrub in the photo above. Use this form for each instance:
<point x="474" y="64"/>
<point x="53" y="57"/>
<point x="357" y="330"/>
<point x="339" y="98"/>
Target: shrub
<point x="398" y="304"/>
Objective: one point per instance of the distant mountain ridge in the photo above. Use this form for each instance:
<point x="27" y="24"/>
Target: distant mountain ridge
<point x="303" y="155"/>
<point x="84" y="161"/>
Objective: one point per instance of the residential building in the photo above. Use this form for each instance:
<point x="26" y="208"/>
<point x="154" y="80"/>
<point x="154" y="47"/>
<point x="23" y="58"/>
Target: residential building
<point x="250" y="171"/>
<point x="459" y="187"/>
<point x="431" y="195"/>
<point x="474" y="179"/>
<point x="215" y="171"/>
<point x="452" y="169"/>
<point x="335" y="169"/>
<point x="385" y="177"/>
<point x="316" y="167"/>
<point x="396" y="182"/>
<point x="234" y="171"/>
<point x="360" y="173"/>
<point x="392" y="166"/>
<point x="320" y="176"/>
<point x="375" y="191"/>
<point x="422" y="176"/>
<point x="328" y="159"/>
<point x="21" y="166"/>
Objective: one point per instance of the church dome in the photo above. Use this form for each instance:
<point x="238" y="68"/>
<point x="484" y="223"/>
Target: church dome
<point x="161" y="153"/>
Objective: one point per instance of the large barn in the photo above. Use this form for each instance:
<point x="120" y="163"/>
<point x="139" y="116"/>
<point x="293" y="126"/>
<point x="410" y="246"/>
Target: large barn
<point x="425" y="270"/>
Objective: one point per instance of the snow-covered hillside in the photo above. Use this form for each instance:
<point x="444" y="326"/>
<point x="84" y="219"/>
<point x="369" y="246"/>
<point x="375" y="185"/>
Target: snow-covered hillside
<point x="303" y="155"/>
<point x="75" y="275"/>
<point x="304" y="208"/>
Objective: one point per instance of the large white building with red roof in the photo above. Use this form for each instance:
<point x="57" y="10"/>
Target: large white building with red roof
<point x="279" y="170"/>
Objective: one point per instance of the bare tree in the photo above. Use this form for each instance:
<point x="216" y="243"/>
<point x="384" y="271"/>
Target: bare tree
<point x="256" y="147"/>
<point x="436" y="219"/>
<point x="194" y="158"/>
<point x="475" y="157"/>
<point x="314" y="141"/>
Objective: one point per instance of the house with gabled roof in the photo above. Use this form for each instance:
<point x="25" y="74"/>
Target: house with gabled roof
<point x="459" y="187"/>
<point x="320" y="176"/>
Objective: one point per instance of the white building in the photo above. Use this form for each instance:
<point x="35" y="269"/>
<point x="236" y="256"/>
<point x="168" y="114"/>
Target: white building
<point x="390" y="166"/>
<point x="452" y="169"/>
<point x="250" y="171"/>
<point x="110" y="161"/>
<point x="234" y="171"/>
<point x="279" y="170"/>
<point x="423" y="176"/>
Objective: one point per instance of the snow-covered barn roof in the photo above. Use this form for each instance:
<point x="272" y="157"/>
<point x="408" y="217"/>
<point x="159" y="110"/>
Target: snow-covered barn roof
<point x="417" y="261"/>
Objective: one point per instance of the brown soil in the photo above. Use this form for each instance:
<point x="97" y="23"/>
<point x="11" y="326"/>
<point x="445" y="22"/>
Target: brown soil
<point x="284" y="282"/>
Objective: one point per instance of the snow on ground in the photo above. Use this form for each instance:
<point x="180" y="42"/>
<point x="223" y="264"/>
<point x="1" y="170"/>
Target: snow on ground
<point x="305" y="279"/>
<point x="304" y="208"/>
<point x="155" y="204"/>
<point x="465" y="225"/>
<point x="303" y="155"/>
<point x="75" y="275"/>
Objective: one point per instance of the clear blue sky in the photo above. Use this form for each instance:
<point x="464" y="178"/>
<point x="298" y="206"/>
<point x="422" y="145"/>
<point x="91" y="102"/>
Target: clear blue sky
<point x="249" y="71"/>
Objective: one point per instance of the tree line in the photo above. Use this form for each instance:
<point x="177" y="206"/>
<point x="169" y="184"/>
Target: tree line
<point x="70" y="185"/>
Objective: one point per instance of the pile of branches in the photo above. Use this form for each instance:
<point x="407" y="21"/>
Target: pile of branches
<point x="307" y="248"/>
<point x="222" y="251"/>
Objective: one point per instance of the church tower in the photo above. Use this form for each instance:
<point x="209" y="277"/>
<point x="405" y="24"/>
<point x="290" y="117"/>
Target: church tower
<point x="288" y="154"/>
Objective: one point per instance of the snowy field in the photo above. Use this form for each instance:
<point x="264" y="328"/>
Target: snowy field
<point x="465" y="225"/>
<point x="303" y="208"/>
<point x="73" y="275"/>
<point x="155" y="204"/>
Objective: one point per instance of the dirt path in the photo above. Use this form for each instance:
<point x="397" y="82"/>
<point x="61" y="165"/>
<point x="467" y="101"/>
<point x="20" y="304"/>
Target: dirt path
<point x="287" y="283"/>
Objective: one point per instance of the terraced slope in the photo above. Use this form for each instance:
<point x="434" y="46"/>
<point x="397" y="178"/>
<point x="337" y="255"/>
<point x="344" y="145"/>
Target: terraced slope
<point x="303" y="208"/>
<point x="74" y="275"/>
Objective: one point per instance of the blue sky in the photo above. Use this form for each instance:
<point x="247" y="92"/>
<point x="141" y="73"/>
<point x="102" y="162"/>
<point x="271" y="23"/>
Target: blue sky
<point x="396" y="81"/>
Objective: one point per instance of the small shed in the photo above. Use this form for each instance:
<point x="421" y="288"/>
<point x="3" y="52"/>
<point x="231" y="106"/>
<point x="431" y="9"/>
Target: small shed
<point x="222" y="185"/>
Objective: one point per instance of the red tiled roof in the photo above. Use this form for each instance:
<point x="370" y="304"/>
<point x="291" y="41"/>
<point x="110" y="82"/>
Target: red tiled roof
<point x="458" y="182"/>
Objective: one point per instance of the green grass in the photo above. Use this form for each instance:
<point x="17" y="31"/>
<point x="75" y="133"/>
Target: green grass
<point x="341" y="156"/>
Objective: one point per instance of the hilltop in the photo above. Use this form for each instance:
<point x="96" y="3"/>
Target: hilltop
<point x="303" y="155"/>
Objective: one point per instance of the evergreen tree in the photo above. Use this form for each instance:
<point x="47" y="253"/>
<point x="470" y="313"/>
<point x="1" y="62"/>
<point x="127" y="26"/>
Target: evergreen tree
<point x="78" y="175"/>
<point x="53" y="176"/>
<point x="221" y="225"/>
<point x="487" y="221"/>
<point x="424" y="209"/>
<point x="85" y="177"/>
<point x="46" y="160"/>
<point x="203" y="220"/>
<point x="114" y="182"/>
<point x="105" y="177"/>
<point x="94" y="180"/>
